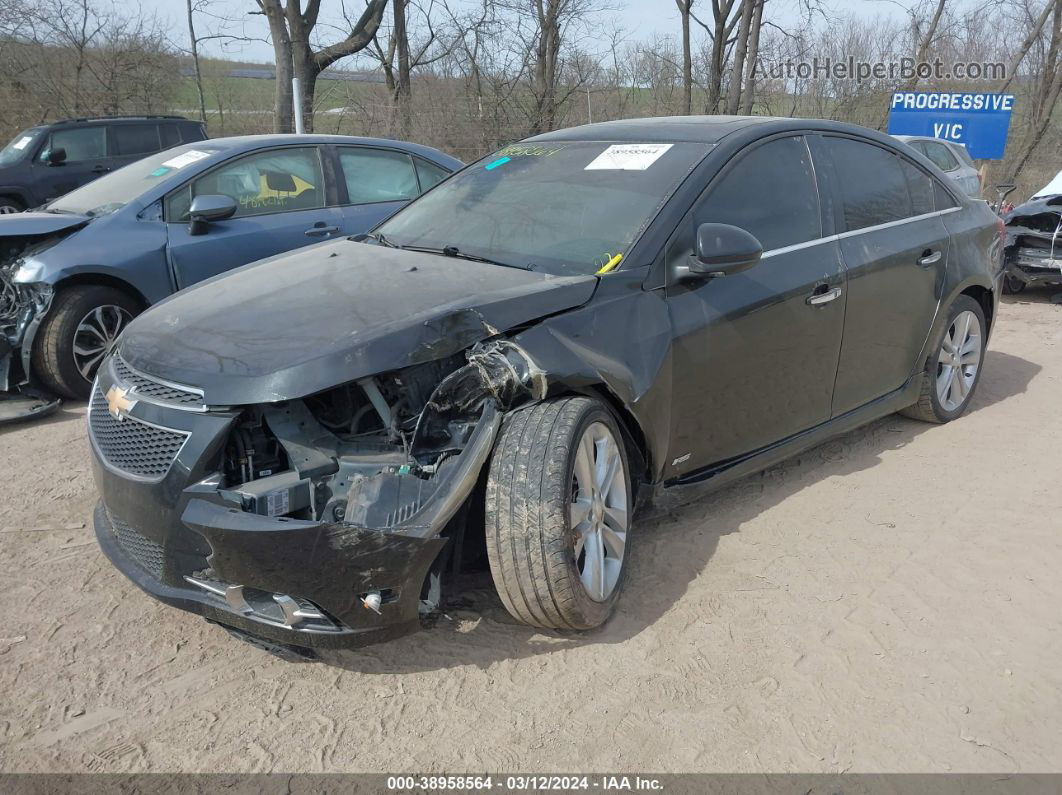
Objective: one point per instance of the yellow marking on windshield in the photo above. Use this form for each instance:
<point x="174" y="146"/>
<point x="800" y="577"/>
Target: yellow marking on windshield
<point x="612" y="263"/>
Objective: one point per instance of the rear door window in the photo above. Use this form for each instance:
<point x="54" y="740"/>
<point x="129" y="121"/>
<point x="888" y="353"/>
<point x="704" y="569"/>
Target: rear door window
<point x="770" y="192"/>
<point x="80" y="144"/>
<point x="276" y="181"/>
<point x="871" y="181"/>
<point x="134" y="139"/>
<point x="377" y="175"/>
<point x="941" y="156"/>
<point x="169" y="135"/>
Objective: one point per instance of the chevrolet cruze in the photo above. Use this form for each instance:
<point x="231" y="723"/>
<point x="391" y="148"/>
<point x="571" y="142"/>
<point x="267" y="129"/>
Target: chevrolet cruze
<point x="304" y="450"/>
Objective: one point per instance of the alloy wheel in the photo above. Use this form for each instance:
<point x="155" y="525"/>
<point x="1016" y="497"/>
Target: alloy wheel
<point x="599" y="512"/>
<point x="96" y="336"/>
<point x="959" y="360"/>
<point x="7" y="209"/>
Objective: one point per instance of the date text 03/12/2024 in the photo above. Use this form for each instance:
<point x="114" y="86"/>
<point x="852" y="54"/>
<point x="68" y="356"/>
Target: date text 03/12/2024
<point x="525" y="783"/>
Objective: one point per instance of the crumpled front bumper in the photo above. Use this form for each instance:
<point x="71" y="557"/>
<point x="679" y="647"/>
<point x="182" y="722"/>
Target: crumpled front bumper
<point x="166" y="520"/>
<point x="257" y="561"/>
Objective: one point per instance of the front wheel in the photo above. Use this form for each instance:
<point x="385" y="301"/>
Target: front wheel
<point x="558" y="513"/>
<point x="80" y="329"/>
<point x="954" y="368"/>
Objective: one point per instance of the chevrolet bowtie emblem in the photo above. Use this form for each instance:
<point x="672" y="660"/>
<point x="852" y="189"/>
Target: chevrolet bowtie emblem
<point x="117" y="402"/>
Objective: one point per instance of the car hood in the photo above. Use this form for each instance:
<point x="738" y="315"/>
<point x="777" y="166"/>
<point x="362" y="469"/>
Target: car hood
<point x="309" y="320"/>
<point x="31" y="224"/>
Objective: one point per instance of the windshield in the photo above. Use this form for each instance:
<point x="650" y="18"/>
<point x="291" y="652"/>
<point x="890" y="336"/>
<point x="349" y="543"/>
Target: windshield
<point x="561" y="207"/>
<point x="113" y="191"/>
<point x="18" y="146"/>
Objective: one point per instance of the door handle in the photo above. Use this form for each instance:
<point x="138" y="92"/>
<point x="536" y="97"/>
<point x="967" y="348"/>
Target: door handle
<point x="99" y="169"/>
<point x="818" y="299"/>
<point x="320" y="231"/>
<point x="929" y="257"/>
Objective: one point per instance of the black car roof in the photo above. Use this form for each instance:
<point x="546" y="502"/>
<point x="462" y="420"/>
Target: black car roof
<point x="121" y="120"/>
<point x="695" y="129"/>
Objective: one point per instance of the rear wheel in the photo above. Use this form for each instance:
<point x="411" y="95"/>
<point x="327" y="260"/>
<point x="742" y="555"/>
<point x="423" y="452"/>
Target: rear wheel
<point x="558" y="514"/>
<point x="80" y="329"/>
<point x="953" y="370"/>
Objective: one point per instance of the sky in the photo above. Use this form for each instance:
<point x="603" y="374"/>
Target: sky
<point x="642" y="19"/>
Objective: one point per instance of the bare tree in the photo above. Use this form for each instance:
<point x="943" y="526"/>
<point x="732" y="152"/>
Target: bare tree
<point x="193" y="45"/>
<point x="685" y="7"/>
<point x="1044" y="97"/>
<point x="290" y="28"/>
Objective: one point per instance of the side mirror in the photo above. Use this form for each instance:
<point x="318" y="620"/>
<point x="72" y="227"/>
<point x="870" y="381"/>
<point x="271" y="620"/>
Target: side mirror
<point x="208" y="208"/>
<point x="723" y="249"/>
<point x="55" y="157"/>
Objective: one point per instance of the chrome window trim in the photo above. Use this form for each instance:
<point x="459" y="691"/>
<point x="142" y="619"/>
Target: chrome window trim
<point x="855" y="232"/>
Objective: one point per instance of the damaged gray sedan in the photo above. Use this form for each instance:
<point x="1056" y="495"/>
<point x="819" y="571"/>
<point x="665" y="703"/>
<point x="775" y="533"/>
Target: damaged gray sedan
<point x="305" y="449"/>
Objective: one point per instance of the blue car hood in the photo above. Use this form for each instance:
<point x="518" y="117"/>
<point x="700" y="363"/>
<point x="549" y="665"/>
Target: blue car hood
<point x="35" y="223"/>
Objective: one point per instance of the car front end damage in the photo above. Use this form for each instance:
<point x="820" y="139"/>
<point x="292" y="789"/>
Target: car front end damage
<point x="1034" y="242"/>
<point x="24" y="302"/>
<point x="318" y="522"/>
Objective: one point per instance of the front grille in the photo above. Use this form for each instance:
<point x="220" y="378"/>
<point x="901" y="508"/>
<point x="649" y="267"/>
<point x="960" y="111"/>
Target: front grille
<point x="147" y="554"/>
<point x="132" y="446"/>
<point x="154" y="390"/>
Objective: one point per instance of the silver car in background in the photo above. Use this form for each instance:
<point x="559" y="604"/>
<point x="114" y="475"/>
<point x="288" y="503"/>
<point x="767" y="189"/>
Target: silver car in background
<point x="951" y="158"/>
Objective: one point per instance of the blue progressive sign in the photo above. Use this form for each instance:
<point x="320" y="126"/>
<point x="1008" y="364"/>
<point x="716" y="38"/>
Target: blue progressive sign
<point x="980" y="121"/>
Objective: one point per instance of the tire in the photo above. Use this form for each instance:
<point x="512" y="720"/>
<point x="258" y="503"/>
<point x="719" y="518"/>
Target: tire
<point x="945" y="394"/>
<point x="1012" y="286"/>
<point x="538" y="556"/>
<point x="55" y="359"/>
<point x="10" y="205"/>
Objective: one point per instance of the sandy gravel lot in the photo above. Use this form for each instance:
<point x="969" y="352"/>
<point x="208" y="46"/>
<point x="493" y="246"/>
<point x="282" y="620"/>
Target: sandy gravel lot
<point x="890" y="601"/>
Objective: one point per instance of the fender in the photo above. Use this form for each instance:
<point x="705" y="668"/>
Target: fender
<point x="619" y="346"/>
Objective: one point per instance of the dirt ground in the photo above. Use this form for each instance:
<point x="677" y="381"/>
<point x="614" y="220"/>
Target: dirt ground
<point x="889" y="601"/>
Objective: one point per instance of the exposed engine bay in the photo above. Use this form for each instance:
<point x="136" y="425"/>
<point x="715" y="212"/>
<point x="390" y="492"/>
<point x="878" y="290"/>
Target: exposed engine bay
<point x="375" y="453"/>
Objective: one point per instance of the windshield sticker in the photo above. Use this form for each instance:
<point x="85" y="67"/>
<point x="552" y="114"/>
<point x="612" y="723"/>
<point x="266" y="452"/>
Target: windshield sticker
<point x="501" y="161"/>
<point x="186" y="159"/>
<point x="529" y="150"/>
<point x="23" y="142"/>
<point x="158" y="172"/>
<point x="627" y="157"/>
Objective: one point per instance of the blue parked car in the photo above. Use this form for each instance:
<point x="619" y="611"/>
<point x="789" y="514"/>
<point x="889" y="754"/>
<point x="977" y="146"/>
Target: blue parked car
<point x="74" y="272"/>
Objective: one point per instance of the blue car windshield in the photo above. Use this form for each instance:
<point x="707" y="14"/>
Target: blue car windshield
<point x="19" y="146"/>
<point x="555" y="206"/>
<point x="113" y="191"/>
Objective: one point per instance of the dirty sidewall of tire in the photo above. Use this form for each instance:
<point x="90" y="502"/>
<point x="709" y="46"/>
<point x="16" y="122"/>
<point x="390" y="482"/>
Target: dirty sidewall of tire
<point x="528" y="521"/>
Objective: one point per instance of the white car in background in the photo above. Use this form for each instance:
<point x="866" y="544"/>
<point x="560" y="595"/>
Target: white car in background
<point x="951" y="158"/>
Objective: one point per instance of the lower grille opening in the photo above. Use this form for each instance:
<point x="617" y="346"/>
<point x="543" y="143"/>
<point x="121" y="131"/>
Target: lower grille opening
<point x="147" y="554"/>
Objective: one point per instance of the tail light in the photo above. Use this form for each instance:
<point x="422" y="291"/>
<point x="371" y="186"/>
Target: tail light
<point x="1001" y="228"/>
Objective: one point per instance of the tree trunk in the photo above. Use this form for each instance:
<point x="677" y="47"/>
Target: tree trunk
<point x="195" y="63"/>
<point x="733" y="98"/>
<point x="687" y="57"/>
<point x="748" y="97"/>
<point x="403" y="89"/>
